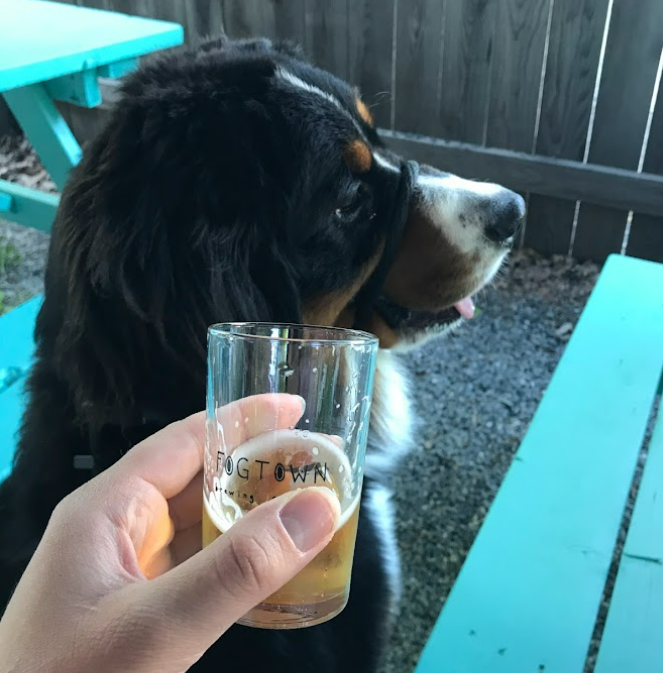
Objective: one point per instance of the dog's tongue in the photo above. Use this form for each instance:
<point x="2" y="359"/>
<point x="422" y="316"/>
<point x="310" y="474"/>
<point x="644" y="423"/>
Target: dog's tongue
<point x="466" y="308"/>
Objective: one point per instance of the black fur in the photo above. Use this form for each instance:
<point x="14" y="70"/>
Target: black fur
<point x="215" y="192"/>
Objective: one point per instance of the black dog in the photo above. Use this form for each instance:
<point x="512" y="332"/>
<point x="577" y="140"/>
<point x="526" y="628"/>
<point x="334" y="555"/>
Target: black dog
<point x="238" y="182"/>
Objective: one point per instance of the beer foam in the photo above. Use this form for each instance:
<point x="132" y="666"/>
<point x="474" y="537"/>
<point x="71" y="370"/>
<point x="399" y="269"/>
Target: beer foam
<point x="275" y="463"/>
<point x="221" y="523"/>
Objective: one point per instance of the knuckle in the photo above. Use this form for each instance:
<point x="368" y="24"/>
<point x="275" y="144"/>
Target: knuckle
<point x="253" y="562"/>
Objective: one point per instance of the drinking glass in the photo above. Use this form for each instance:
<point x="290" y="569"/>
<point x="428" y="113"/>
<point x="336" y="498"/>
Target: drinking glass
<point x="255" y="452"/>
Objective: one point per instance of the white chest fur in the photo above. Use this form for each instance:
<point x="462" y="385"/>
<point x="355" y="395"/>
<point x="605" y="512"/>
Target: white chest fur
<point x="391" y="437"/>
<point x="392" y="425"/>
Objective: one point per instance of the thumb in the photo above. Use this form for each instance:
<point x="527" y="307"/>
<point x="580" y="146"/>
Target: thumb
<point x="190" y="606"/>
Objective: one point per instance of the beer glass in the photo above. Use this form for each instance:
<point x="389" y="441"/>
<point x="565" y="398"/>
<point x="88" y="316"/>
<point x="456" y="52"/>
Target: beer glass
<point x="251" y="459"/>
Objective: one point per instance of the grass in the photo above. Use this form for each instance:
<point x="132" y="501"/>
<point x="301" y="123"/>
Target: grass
<point x="10" y="257"/>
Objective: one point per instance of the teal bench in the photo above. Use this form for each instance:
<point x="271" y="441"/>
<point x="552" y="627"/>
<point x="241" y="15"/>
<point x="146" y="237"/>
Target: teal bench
<point x="528" y="594"/>
<point x="16" y="328"/>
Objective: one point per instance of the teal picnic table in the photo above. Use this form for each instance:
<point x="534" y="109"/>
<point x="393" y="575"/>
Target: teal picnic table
<point x="55" y="52"/>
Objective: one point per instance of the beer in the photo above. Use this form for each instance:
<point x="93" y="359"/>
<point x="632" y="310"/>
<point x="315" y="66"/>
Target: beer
<point x="264" y="468"/>
<point x="325" y="578"/>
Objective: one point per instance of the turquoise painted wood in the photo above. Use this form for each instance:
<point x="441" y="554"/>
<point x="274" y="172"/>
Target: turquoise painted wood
<point x="40" y="40"/>
<point x="48" y="132"/>
<point x="79" y="88"/>
<point x="16" y="335"/>
<point x="119" y="69"/>
<point x="16" y="332"/>
<point x="28" y="207"/>
<point x="12" y="404"/>
<point x="6" y="201"/>
<point x="527" y="596"/>
<point x="632" y="638"/>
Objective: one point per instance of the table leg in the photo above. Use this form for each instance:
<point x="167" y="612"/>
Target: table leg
<point x="46" y="129"/>
<point x="28" y="207"/>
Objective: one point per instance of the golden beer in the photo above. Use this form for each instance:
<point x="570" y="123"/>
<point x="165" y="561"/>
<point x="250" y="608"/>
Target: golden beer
<point x="321" y="589"/>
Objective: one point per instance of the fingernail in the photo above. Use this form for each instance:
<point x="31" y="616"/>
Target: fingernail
<point x="303" y="402"/>
<point x="310" y="516"/>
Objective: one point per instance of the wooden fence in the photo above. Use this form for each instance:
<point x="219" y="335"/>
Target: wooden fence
<point x="558" y="99"/>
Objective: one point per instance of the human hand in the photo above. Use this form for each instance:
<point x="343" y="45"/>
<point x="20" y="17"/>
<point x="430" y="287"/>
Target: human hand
<point x="86" y="601"/>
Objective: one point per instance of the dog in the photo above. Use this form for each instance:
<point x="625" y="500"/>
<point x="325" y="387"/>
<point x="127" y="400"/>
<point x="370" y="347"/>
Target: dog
<point x="239" y="182"/>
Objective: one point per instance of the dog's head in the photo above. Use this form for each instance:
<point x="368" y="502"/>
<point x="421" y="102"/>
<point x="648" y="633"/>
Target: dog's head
<point x="239" y="182"/>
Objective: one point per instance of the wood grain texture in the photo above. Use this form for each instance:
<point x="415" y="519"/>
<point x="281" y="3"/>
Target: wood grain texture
<point x="646" y="237"/>
<point x="327" y="35"/>
<point x="204" y="18"/>
<point x="526" y="172"/>
<point x="249" y="18"/>
<point x="290" y="21"/>
<point x="576" y="32"/>
<point x="549" y="224"/>
<point x="148" y="8"/>
<point x="631" y="639"/>
<point x="632" y="55"/>
<point x="419" y="48"/>
<point x="370" y="54"/>
<point x="517" y="59"/>
<point x="526" y="598"/>
<point x="469" y="33"/>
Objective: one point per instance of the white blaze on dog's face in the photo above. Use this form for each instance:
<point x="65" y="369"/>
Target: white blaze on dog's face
<point x="458" y="234"/>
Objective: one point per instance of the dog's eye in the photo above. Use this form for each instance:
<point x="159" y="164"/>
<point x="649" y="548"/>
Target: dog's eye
<point x="350" y="206"/>
<point x="346" y="212"/>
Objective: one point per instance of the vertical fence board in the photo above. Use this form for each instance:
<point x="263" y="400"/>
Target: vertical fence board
<point x="516" y="73"/>
<point x="370" y="54"/>
<point x="632" y="55"/>
<point x="576" y="33"/>
<point x="134" y="7"/>
<point x="646" y="239"/>
<point x="283" y="20"/>
<point x="419" y="46"/>
<point x="290" y="21"/>
<point x="327" y="35"/>
<point x="466" y="69"/>
<point x="204" y="18"/>
<point x="249" y="18"/>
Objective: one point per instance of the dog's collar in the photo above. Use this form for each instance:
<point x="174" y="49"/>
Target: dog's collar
<point x="400" y="209"/>
<point x="88" y="462"/>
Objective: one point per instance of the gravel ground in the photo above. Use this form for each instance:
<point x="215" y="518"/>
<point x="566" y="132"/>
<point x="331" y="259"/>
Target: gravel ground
<point x="476" y="392"/>
<point x="22" y="250"/>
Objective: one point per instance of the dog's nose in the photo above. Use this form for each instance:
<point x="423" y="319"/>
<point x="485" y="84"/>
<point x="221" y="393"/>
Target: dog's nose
<point x="505" y="216"/>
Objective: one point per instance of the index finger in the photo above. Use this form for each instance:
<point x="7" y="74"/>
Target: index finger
<point x="171" y="458"/>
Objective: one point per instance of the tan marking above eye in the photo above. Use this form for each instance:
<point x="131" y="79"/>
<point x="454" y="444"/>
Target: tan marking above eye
<point x="364" y="112"/>
<point x="357" y="155"/>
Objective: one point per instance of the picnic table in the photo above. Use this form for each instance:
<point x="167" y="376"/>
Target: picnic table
<point x="528" y="594"/>
<point x="55" y="52"/>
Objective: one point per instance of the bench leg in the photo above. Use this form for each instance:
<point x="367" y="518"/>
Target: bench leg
<point x="28" y="207"/>
<point x="46" y="128"/>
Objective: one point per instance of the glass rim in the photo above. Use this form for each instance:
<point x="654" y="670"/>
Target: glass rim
<point x="344" y="335"/>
